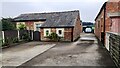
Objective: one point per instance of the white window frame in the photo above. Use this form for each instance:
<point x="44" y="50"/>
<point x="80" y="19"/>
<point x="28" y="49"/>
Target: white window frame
<point x="38" y="28"/>
<point x="57" y="32"/>
<point x="45" y="29"/>
<point x="39" y="22"/>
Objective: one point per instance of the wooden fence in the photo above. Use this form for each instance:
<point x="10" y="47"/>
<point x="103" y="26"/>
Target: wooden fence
<point x="12" y="34"/>
<point x="114" y="48"/>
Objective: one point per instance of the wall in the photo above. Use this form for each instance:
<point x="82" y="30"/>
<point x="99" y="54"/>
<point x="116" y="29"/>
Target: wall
<point x="30" y="25"/>
<point x="99" y="25"/>
<point x="38" y="22"/>
<point x="42" y="34"/>
<point x="67" y="34"/>
<point x="70" y="34"/>
<point x="77" y="29"/>
<point x="110" y="7"/>
<point x="17" y="24"/>
<point x="115" y="25"/>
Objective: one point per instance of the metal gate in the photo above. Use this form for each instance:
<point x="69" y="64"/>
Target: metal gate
<point x="36" y="36"/>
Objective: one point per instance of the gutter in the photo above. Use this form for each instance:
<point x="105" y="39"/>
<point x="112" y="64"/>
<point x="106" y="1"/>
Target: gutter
<point x="58" y="27"/>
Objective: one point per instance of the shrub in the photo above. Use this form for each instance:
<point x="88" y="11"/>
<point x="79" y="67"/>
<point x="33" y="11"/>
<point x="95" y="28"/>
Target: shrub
<point x="7" y="42"/>
<point x="53" y="37"/>
<point x="15" y="40"/>
<point x="21" y="26"/>
<point x="26" y="37"/>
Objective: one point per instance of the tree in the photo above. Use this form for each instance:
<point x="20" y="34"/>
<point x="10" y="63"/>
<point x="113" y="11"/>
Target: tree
<point x="21" y="26"/>
<point x="7" y="24"/>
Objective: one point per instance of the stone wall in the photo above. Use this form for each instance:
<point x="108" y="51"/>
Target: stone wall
<point x="114" y="44"/>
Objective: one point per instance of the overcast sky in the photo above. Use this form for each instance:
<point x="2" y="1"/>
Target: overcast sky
<point x="88" y="8"/>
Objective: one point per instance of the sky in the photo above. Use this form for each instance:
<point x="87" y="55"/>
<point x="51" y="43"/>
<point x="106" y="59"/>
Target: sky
<point x="88" y="8"/>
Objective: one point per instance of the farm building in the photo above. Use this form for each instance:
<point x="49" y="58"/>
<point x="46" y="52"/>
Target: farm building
<point x="65" y="24"/>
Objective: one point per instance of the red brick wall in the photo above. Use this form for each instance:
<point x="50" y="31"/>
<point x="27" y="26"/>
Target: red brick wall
<point x="67" y="34"/>
<point x="53" y="30"/>
<point x="119" y="6"/>
<point x="115" y="26"/>
<point x="29" y="25"/>
<point x="77" y="29"/>
<point x="42" y="33"/>
<point x="110" y="7"/>
<point x="99" y="25"/>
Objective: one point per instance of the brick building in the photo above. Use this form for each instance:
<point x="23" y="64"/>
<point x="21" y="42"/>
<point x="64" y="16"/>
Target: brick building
<point x="65" y="24"/>
<point x="113" y="37"/>
<point x="103" y="21"/>
<point x="115" y="22"/>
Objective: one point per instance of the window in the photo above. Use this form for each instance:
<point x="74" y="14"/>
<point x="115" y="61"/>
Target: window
<point x="60" y="32"/>
<point x="98" y="24"/>
<point x="38" y="27"/>
<point x="47" y="32"/>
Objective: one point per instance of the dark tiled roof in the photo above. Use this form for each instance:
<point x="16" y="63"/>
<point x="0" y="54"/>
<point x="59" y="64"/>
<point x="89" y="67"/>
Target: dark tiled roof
<point x="53" y="19"/>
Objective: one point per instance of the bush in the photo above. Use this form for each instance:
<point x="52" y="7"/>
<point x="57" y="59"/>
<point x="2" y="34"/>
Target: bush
<point x="21" y="26"/>
<point x="7" y="42"/>
<point x="53" y="37"/>
<point x="15" y="40"/>
<point x="26" y="37"/>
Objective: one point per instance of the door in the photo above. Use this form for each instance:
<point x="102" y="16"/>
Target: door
<point x="36" y="36"/>
<point x="102" y="37"/>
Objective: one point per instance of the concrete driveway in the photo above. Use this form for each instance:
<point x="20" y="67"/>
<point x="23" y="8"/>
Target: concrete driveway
<point x="84" y="52"/>
<point x="17" y="55"/>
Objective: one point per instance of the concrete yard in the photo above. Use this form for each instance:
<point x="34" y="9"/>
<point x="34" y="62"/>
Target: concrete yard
<point x="17" y="55"/>
<point x="84" y="52"/>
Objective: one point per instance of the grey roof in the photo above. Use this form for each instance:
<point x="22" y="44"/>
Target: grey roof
<point x="53" y="19"/>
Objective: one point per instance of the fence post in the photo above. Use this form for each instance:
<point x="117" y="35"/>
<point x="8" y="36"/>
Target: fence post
<point x="32" y="35"/>
<point x="3" y="37"/>
<point x="18" y="35"/>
